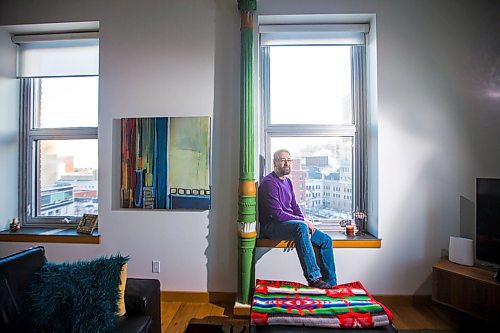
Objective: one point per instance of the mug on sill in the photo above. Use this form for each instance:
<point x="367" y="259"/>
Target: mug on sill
<point x="349" y="230"/>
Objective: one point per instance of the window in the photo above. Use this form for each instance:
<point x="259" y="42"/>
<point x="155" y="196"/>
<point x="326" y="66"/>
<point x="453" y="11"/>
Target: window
<point x="313" y="103"/>
<point x="59" y="111"/>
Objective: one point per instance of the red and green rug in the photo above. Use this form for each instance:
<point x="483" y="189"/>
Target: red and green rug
<point x="289" y="303"/>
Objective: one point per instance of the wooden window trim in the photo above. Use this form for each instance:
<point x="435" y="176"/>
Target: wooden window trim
<point x="50" y="235"/>
<point x="340" y="240"/>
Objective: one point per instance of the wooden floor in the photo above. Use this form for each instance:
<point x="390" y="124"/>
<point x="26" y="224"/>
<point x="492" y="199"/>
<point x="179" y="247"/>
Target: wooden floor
<point x="175" y="316"/>
<point x="428" y="315"/>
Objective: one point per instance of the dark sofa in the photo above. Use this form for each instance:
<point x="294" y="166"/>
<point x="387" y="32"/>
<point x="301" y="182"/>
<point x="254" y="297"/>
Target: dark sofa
<point x="142" y="296"/>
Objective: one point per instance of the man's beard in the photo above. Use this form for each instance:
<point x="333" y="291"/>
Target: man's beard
<point x="285" y="171"/>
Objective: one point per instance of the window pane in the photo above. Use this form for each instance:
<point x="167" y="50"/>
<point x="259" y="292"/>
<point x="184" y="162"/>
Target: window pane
<point x="321" y="175"/>
<point x="67" y="102"/>
<point x="67" y="183"/>
<point x="310" y="85"/>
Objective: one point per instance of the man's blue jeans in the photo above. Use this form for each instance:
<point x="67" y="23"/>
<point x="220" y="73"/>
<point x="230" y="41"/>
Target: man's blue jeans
<point x="315" y="253"/>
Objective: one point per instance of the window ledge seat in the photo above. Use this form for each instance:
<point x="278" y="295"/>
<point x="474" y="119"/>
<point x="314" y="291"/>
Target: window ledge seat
<point x="340" y="240"/>
<point x="49" y="235"/>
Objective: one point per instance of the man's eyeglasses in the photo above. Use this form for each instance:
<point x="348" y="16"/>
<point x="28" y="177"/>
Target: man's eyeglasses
<point x="288" y="161"/>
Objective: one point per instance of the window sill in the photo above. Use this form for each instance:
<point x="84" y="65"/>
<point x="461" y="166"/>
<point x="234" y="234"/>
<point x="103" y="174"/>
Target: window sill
<point x="340" y="240"/>
<point x="49" y="235"/>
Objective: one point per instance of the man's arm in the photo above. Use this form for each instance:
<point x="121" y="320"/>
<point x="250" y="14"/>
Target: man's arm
<point x="296" y="209"/>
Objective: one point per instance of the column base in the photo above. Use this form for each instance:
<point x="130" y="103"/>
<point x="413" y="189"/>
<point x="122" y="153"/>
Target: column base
<point x="241" y="310"/>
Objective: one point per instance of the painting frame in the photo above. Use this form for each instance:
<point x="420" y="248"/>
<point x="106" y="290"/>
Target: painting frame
<point x="87" y="224"/>
<point x="166" y="163"/>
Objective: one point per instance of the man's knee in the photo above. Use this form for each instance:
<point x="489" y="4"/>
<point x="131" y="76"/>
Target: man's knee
<point x="328" y="242"/>
<point x="324" y="240"/>
<point x="301" y="229"/>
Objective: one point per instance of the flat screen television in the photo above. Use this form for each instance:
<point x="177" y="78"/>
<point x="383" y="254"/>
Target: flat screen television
<point x="488" y="221"/>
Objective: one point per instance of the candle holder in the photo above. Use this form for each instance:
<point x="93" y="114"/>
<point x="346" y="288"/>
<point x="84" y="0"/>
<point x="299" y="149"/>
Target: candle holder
<point x="360" y="220"/>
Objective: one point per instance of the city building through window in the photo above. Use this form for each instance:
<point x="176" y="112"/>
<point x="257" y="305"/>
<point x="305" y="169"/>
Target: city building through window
<point x="313" y="103"/>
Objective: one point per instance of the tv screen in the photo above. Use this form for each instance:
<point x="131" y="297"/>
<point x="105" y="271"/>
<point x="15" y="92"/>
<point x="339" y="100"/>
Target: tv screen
<point x="488" y="220"/>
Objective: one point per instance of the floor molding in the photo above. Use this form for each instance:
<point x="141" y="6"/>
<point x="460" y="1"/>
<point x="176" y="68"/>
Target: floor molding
<point x="229" y="297"/>
<point x="198" y="296"/>
<point x="404" y="299"/>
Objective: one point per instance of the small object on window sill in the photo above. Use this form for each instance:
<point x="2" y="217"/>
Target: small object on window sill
<point x="349" y="230"/>
<point x="15" y="226"/>
<point x="360" y="219"/>
<point x="87" y="224"/>
<point x="343" y="223"/>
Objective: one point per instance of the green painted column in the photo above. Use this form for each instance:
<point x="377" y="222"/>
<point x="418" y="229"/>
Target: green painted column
<point x="247" y="191"/>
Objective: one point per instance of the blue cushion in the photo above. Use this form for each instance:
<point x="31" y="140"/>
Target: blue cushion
<point x="75" y="297"/>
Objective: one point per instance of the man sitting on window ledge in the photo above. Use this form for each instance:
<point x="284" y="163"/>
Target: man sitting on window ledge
<point x="281" y="218"/>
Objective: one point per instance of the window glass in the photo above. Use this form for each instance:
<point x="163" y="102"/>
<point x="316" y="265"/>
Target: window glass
<point x="67" y="177"/>
<point x="59" y="89"/>
<point x="67" y="102"/>
<point x="321" y="173"/>
<point x="310" y="85"/>
<point x="314" y="104"/>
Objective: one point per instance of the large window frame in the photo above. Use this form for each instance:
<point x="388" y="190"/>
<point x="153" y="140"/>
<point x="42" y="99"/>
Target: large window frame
<point x="341" y="34"/>
<point x="32" y="136"/>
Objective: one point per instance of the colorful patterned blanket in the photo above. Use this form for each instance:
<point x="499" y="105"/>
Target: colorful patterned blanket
<point x="289" y="303"/>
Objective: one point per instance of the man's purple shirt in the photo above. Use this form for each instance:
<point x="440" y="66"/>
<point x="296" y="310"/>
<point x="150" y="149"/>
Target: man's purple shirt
<point x="277" y="201"/>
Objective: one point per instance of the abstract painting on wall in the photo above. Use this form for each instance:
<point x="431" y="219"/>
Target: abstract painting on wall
<point x="165" y="163"/>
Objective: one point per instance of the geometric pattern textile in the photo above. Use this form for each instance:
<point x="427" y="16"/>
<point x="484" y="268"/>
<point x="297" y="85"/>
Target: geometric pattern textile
<point x="290" y="303"/>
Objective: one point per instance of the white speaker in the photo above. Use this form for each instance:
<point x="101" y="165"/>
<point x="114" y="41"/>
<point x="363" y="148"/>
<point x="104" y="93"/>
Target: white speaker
<point x="461" y="251"/>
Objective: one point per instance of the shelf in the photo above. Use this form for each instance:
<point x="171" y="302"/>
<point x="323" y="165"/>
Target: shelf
<point x="470" y="289"/>
<point x="340" y="240"/>
<point x="49" y="235"/>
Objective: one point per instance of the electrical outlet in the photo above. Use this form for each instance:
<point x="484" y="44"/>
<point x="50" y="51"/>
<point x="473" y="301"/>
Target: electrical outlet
<point x="156" y="266"/>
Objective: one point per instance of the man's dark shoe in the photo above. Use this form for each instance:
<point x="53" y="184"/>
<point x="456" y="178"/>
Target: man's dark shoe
<point x="318" y="283"/>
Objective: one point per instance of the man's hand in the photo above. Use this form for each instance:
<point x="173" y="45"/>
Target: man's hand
<point x="310" y="225"/>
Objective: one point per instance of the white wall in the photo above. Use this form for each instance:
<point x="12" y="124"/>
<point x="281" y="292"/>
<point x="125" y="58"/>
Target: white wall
<point x="157" y="58"/>
<point x="438" y="130"/>
<point x="9" y="123"/>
